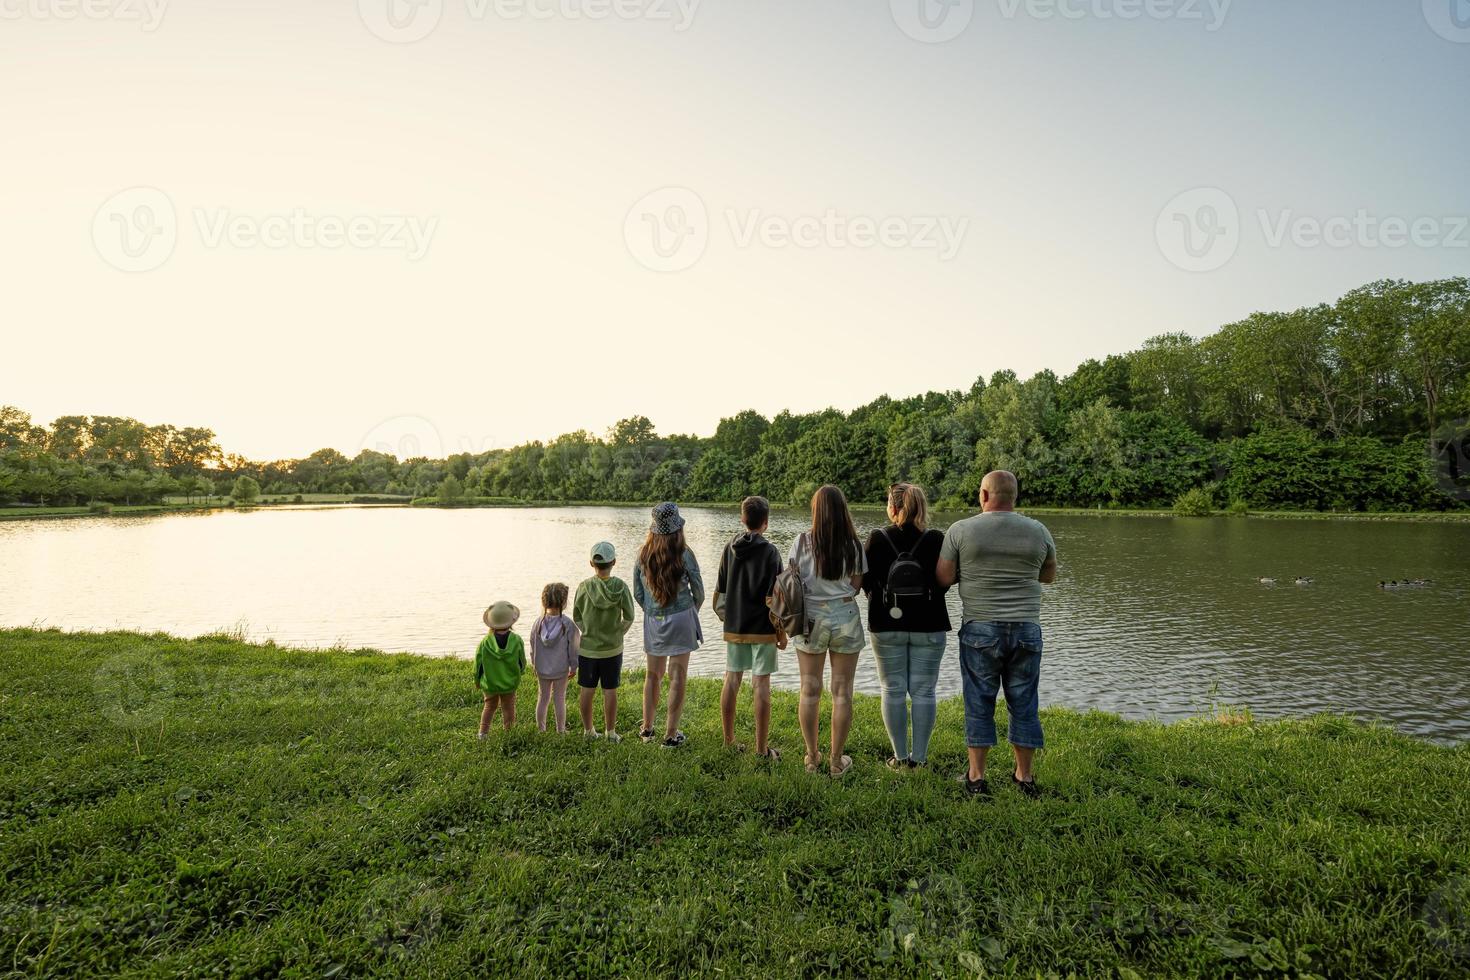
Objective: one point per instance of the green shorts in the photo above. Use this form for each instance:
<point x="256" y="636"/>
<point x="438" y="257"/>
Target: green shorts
<point x="757" y="658"/>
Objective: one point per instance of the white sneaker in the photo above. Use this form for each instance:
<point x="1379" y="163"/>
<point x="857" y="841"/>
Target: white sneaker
<point x="613" y="737"/>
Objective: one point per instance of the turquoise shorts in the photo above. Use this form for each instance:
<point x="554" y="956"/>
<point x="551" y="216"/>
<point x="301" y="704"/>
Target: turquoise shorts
<point x="757" y="658"/>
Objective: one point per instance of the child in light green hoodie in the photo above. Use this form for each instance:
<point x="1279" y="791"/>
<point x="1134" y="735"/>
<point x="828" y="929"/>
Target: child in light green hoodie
<point x="603" y="611"/>
<point x="499" y="662"/>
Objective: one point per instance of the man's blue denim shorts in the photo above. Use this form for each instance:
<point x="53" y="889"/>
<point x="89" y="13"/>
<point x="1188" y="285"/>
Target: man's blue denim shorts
<point x="1001" y="656"/>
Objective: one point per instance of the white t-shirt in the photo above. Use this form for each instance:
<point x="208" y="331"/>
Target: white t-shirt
<point x="824" y="588"/>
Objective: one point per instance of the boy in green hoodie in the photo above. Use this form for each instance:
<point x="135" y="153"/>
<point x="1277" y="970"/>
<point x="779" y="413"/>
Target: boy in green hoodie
<point x="499" y="662"/>
<point x="603" y="611"/>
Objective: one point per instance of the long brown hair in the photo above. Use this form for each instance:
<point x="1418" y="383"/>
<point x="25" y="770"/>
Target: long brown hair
<point x="662" y="559"/>
<point x="910" y="504"/>
<point x="835" y="549"/>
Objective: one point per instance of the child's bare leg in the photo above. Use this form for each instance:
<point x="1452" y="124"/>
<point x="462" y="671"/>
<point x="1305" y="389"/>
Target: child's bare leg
<point x="762" y="685"/>
<point x="678" y="678"/>
<point x="508" y="710"/>
<point x="728" y="695"/>
<point x="543" y="701"/>
<point x="610" y="710"/>
<point x="652" y="681"/>
<point x="584" y="702"/>
<point x="559" y="700"/>
<point x="488" y="714"/>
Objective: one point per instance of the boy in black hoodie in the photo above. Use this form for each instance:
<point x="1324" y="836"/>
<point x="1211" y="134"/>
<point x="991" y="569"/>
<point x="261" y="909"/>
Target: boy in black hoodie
<point x="748" y="571"/>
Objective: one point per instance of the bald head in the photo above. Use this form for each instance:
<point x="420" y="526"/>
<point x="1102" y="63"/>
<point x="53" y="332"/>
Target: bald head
<point x="998" y="491"/>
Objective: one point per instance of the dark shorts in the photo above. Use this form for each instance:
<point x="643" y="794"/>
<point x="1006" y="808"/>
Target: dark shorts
<point x="603" y="672"/>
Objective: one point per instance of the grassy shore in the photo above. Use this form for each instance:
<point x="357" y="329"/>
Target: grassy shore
<point x="119" y="510"/>
<point x="176" y="807"/>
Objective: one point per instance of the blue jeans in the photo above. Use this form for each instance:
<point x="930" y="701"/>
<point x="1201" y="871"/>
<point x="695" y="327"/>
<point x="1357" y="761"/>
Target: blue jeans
<point x="996" y="656"/>
<point x="908" y="667"/>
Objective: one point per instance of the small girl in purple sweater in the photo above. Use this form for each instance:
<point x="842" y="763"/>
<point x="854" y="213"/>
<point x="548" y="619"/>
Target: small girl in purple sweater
<point x="555" y="645"/>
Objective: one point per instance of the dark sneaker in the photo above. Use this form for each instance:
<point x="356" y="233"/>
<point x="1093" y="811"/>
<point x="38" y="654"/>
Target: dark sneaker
<point x="1027" y="787"/>
<point x="976" y="787"/>
<point x="918" y="765"/>
<point x="674" y="741"/>
<point x="646" y="735"/>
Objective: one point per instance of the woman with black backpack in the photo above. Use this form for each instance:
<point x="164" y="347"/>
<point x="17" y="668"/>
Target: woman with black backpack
<point x="908" y="621"/>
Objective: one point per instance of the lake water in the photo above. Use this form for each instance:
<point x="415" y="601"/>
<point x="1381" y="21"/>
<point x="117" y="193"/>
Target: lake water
<point x="1150" y="618"/>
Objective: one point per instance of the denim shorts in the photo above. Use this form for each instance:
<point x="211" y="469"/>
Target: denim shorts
<point x="1001" y="656"/>
<point x="833" y="626"/>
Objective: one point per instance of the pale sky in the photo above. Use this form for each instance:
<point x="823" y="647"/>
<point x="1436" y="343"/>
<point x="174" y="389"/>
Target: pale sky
<point x="462" y="226"/>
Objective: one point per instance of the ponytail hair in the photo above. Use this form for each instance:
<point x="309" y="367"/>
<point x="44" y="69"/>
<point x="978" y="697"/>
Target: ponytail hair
<point x="909" y="505"/>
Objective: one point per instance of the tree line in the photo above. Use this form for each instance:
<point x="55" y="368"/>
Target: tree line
<point x="1355" y="405"/>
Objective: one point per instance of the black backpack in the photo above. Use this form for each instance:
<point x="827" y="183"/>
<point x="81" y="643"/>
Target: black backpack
<point x="906" y="579"/>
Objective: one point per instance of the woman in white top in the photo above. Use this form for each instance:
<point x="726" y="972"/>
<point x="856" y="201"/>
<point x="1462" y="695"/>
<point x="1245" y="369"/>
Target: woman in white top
<point x="832" y="562"/>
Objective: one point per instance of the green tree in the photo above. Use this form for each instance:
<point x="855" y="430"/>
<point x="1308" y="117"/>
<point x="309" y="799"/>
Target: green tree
<point x="245" y="490"/>
<point x="451" y="491"/>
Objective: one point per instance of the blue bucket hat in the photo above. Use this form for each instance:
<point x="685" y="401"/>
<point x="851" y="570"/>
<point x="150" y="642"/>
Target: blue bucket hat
<point x="666" y="519"/>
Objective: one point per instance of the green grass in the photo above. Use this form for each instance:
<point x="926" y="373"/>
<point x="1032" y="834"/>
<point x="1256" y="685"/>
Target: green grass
<point x="176" y="807"/>
<point x="22" y="513"/>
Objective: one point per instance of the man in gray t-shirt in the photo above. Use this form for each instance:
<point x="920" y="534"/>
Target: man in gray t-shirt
<point x="1000" y="559"/>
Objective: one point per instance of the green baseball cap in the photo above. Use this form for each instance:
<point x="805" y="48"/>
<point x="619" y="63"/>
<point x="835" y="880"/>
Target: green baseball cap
<point x="603" y="553"/>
